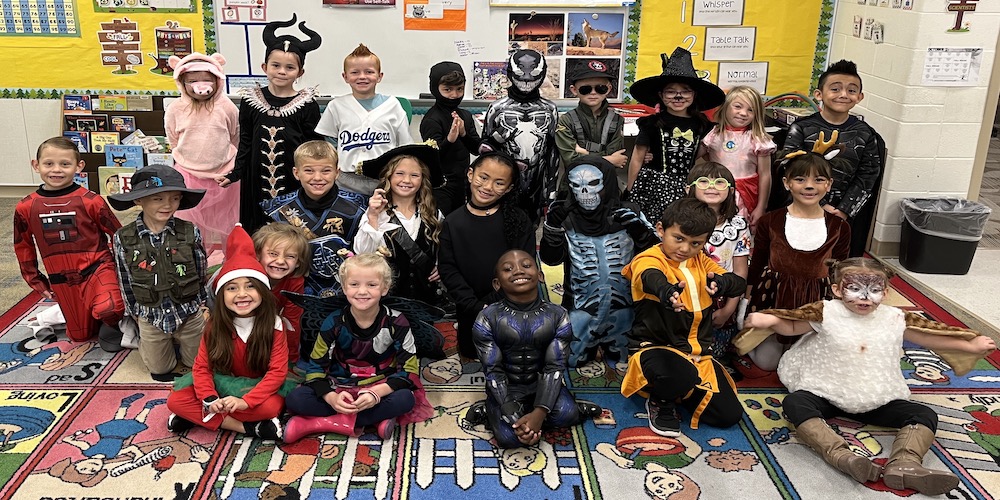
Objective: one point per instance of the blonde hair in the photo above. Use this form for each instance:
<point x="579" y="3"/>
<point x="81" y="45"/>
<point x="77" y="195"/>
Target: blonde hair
<point x="756" y="102"/>
<point x="315" y="150"/>
<point x="360" y="52"/>
<point x="426" y="206"/>
<point x="277" y="233"/>
<point x="369" y="261"/>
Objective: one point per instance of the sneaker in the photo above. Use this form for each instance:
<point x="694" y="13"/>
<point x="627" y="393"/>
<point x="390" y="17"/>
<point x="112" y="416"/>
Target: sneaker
<point x="476" y="414"/>
<point x="177" y="424"/>
<point x="130" y="333"/>
<point x="264" y="429"/>
<point x="663" y="419"/>
<point x="588" y="409"/>
<point x="385" y="428"/>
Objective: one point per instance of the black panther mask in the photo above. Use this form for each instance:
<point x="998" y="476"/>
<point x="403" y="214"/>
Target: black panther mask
<point x="526" y="70"/>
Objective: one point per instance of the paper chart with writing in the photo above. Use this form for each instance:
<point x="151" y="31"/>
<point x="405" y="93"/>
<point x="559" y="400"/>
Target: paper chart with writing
<point x="952" y="67"/>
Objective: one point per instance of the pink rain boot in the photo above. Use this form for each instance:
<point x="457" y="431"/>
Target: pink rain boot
<point x="385" y="428"/>
<point x="300" y="426"/>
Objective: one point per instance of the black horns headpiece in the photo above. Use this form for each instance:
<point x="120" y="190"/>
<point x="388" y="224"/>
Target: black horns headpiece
<point x="289" y="43"/>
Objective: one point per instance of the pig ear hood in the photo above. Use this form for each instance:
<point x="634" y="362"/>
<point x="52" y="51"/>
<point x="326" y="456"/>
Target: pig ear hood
<point x="197" y="62"/>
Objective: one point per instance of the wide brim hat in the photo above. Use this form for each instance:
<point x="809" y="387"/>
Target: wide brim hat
<point x="678" y="68"/>
<point x="155" y="179"/>
<point x="426" y="152"/>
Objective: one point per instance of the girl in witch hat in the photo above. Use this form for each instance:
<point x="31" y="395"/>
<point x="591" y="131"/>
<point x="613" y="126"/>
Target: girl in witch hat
<point x="671" y="135"/>
<point x="274" y="120"/>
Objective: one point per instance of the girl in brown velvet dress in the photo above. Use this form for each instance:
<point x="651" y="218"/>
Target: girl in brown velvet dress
<point x="790" y="247"/>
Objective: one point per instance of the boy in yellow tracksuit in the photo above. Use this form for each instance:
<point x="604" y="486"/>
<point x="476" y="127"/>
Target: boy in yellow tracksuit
<point x="673" y="285"/>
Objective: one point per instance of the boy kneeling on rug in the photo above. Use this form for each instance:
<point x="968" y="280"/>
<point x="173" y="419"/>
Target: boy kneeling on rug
<point x="850" y="336"/>
<point x="673" y="285"/>
<point x="523" y="343"/>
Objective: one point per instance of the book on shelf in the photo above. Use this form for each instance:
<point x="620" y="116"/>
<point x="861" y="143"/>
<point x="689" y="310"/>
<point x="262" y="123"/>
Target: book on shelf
<point x="160" y="159"/>
<point x="80" y="139"/>
<point x="122" y="123"/>
<point x="122" y="155"/>
<point x="113" y="103"/>
<point x="85" y="123"/>
<point x="114" y="180"/>
<point x="139" y="102"/>
<point x="98" y="140"/>
<point x="82" y="178"/>
<point x="79" y="104"/>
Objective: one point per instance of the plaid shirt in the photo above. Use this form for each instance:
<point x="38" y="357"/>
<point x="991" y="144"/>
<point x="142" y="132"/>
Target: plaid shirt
<point x="167" y="316"/>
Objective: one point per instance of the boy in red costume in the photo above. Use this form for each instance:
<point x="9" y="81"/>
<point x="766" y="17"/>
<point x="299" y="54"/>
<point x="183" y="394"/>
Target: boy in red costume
<point x="69" y="226"/>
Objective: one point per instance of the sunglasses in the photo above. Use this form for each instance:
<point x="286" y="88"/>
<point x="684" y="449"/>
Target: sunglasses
<point x="601" y="89"/>
<point x="706" y="183"/>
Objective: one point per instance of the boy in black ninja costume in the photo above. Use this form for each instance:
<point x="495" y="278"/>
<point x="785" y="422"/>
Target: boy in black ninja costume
<point x="454" y="129"/>
<point x="524" y="386"/>
<point x="523" y="125"/>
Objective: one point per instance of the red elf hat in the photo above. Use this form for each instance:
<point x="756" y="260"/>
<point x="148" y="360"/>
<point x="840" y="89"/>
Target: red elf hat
<point x="241" y="260"/>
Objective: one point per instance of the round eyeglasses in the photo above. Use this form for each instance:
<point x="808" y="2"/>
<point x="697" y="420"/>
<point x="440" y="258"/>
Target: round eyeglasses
<point x="706" y="183"/>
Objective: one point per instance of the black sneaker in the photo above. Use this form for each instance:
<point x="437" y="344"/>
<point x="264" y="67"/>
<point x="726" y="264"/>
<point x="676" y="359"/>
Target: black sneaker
<point x="264" y="429"/>
<point x="588" y="409"/>
<point x="663" y="419"/>
<point x="476" y="414"/>
<point x="177" y="424"/>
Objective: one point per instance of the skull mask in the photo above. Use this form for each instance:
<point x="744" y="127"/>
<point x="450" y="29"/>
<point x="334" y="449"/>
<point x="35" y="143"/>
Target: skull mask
<point x="587" y="184"/>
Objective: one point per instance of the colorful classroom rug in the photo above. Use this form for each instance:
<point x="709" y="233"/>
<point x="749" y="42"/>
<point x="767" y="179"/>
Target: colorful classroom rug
<point x="77" y="422"/>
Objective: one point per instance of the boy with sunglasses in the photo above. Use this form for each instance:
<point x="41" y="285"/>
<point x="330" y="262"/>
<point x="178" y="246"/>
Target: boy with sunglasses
<point x="593" y="127"/>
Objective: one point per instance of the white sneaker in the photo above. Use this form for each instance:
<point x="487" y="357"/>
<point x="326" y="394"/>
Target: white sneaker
<point x="130" y="332"/>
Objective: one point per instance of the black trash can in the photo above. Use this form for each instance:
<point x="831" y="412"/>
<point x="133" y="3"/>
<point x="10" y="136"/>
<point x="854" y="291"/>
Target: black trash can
<point x="940" y="235"/>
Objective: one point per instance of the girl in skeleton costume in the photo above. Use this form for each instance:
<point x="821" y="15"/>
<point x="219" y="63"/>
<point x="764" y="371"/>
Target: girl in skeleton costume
<point x="672" y="135"/>
<point x="523" y="125"/>
<point x="594" y="234"/>
<point x="402" y="220"/>
<point x="847" y="364"/>
<point x="274" y="120"/>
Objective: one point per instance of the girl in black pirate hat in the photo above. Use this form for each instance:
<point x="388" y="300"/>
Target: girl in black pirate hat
<point x="274" y="120"/>
<point x="672" y="135"/>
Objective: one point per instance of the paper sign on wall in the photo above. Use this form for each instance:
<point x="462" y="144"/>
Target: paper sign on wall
<point x="952" y="66"/>
<point x="730" y="44"/>
<point x="752" y="74"/>
<point x="718" y="13"/>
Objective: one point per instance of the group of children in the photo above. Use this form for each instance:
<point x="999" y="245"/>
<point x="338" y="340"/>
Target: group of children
<point x="340" y="203"/>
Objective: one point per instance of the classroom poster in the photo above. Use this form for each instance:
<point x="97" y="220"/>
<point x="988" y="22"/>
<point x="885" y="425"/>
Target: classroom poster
<point x="434" y="15"/>
<point x="785" y="57"/>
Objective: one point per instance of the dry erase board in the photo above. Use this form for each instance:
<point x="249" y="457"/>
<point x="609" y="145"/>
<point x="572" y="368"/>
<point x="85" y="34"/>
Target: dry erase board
<point x="407" y="55"/>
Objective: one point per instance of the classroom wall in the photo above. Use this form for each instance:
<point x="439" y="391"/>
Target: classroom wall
<point x="931" y="133"/>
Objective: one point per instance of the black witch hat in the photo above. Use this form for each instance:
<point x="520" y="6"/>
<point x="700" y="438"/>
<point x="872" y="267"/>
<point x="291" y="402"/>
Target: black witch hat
<point x="677" y="69"/>
<point x="289" y="43"/>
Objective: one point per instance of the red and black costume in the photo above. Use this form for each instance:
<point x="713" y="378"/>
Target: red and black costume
<point x="70" y="229"/>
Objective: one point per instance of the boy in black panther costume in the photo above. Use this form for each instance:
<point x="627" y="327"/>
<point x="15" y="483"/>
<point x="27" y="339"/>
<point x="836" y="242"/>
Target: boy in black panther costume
<point x="524" y="386"/>
<point x="523" y="125"/>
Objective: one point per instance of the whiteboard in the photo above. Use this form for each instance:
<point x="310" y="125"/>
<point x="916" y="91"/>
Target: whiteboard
<point x="406" y="55"/>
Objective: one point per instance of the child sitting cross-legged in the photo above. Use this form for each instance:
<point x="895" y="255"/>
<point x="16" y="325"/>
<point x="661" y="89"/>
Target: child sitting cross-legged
<point x="363" y="368"/>
<point x="671" y="360"/>
<point x="847" y="365"/>
<point x="523" y="343"/>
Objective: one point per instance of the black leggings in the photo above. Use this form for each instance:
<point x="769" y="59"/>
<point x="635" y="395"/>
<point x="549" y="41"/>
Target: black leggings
<point x="800" y="406"/>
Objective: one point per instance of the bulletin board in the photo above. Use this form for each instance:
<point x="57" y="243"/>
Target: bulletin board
<point x="776" y="46"/>
<point x="407" y="54"/>
<point x="112" y="52"/>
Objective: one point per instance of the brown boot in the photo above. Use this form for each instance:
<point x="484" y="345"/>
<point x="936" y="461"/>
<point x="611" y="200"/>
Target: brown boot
<point x="903" y="470"/>
<point x="825" y="441"/>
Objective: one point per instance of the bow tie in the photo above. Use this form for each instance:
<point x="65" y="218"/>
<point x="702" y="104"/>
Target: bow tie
<point x="687" y="134"/>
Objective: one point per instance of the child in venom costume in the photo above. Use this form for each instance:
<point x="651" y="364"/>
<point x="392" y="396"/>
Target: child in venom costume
<point x="68" y="226"/>
<point x="329" y="216"/>
<point x="523" y="343"/>
<point x="274" y="120"/>
<point x="854" y="335"/>
<point x="523" y="125"/>
<point x="454" y="129"/>
<point x="671" y="341"/>
<point x="595" y="234"/>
